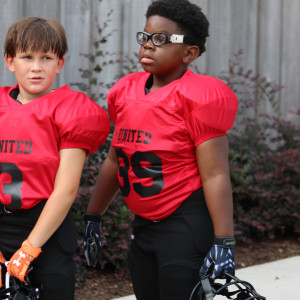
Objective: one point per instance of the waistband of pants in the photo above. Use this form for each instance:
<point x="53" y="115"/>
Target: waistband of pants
<point x="7" y="210"/>
<point x="189" y="204"/>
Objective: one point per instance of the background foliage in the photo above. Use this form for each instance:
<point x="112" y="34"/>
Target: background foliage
<point x="115" y="225"/>
<point x="264" y="161"/>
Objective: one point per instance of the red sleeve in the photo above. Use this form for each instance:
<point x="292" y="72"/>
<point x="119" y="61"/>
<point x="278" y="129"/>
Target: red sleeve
<point x="210" y="107"/>
<point x="82" y="123"/>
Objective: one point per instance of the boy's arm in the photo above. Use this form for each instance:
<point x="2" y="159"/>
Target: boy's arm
<point x="212" y="159"/>
<point x="106" y="186"/>
<point x="54" y="212"/>
<point x="60" y="201"/>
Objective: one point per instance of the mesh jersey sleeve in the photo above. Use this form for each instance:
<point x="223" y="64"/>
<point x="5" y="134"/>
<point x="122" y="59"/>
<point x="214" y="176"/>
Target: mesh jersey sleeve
<point x="81" y="123"/>
<point x="209" y="106"/>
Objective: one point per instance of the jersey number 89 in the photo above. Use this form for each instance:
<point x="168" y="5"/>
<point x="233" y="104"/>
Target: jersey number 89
<point x="152" y="170"/>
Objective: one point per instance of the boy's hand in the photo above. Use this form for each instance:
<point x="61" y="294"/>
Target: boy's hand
<point x="219" y="259"/>
<point x="92" y="241"/>
<point x="20" y="261"/>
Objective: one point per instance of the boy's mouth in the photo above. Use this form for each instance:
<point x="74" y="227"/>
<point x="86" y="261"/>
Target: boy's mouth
<point x="146" y="59"/>
<point x="36" y="79"/>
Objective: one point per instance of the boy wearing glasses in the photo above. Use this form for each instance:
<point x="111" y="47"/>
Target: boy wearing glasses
<point x="169" y="157"/>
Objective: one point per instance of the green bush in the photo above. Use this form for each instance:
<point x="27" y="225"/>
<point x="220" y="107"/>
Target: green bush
<point x="115" y="224"/>
<point x="264" y="160"/>
<point x="116" y="221"/>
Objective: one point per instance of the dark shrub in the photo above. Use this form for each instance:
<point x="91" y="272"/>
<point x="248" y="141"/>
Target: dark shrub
<point x="264" y="160"/>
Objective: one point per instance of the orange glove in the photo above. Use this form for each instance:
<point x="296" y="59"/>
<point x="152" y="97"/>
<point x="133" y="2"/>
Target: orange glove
<point x="20" y="261"/>
<point x="2" y="260"/>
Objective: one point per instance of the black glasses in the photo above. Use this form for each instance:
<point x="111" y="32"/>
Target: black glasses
<point x="160" y="38"/>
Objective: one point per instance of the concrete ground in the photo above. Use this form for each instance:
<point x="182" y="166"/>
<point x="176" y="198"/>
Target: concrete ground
<point x="275" y="280"/>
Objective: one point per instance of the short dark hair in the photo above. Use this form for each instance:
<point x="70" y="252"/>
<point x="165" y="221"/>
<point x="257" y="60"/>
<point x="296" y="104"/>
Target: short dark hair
<point x="188" y="16"/>
<point x="36" y="34"/>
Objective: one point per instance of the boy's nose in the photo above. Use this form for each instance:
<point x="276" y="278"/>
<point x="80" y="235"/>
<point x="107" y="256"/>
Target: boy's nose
<point x="149" y="44"/>
<point x="36" y="65"/>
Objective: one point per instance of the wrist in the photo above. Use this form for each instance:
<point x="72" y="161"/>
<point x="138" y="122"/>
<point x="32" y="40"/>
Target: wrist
<point x="227" y="242"/>
<point x="29" y="249"/>
<point x="92" y="217"/>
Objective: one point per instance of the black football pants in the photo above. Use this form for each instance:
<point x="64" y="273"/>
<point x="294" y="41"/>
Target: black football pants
<point x="53" y="269"/>
<point x="165" y="257"/>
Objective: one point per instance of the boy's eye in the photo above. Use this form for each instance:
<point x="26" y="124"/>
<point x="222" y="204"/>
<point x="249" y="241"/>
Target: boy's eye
<point x="160" y="39"/>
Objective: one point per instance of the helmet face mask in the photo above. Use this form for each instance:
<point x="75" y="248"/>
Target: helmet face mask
<point x="233" y="288"/>
<point x="14" y="289"/>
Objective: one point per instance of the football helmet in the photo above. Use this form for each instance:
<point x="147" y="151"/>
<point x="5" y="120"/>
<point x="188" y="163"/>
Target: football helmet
<point x="233" y="288"/>
<point x="14" y="289"/>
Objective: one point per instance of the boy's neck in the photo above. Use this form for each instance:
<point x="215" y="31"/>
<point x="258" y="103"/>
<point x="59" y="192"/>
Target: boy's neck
<point x="24" y="100"/>
<point x="158" y="82"/>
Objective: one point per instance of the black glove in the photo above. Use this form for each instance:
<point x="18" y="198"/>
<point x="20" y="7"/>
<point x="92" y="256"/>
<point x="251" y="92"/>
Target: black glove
<point x="220" y="258"/>
<point x="92" y="241"/>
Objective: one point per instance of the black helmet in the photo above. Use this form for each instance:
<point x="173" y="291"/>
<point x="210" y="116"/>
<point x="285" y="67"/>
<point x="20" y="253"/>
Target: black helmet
<point x="14" y="289"/>
<point x="233" y="288"/>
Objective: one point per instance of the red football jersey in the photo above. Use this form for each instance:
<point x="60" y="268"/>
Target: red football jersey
<point x="32" y="135"/>
<point x="156" y="135"/>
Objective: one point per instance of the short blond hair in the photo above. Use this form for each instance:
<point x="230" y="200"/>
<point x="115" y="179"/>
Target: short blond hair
<point x="36" y="34"/>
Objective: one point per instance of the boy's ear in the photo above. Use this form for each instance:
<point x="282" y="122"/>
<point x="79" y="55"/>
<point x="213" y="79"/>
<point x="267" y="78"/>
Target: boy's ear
<point x="9" y="62"/>
<point x="191" y="53"/>
<point x="60" y="65"/>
